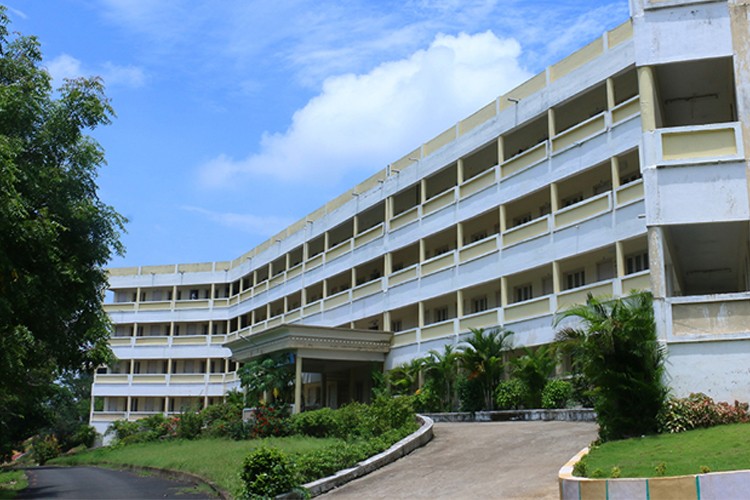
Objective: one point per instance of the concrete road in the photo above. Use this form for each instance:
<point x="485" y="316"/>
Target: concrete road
<point x="504" y="460"/>
<point x="95" y="483"/>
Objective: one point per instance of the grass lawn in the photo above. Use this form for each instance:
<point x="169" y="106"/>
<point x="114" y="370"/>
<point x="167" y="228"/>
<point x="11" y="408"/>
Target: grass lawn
<point x="216" y="459"/>
<point x="11" y="482"/>
<point x="720" y="448"/>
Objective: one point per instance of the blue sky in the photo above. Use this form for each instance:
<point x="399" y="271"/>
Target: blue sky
<point x="237" y="118"/>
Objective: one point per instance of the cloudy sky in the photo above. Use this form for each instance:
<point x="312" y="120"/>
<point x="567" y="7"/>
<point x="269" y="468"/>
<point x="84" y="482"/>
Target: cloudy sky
<point x="236" y="118"/>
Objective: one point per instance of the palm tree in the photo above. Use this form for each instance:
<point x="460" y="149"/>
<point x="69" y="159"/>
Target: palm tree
<point x="441" y="371"/>
<point x="616" y="349"/>
<point x="482" y="357"/>
<point x="534" y="368"/>
<point x="405" y="379"/>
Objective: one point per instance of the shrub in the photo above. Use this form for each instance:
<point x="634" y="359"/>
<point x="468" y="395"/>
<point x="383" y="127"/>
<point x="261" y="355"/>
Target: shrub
<point x="470" y="395"/>
<point x="221" y="420"/>
<point x="44" y="448"/>
<point x="556" y="394"/>
<point x="316" y="423"/>
<point x="267" y="472"/>
<point x="427" y="400"/>
<point x="699" y="410"/>
<point x="123" y="429"/>
<point x="189" y="425"/>
<point x="269" y="421"/>
<point x="85" y="435"/>
<point x="386" y="414"/>
<point x="510" y="394"/>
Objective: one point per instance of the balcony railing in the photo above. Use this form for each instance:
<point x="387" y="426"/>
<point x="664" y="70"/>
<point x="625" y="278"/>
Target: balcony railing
<point x="525" y="159"/>
<point x="579" y="132"/>
<point x="526" y="231"/>
<point x="540" y="306"/>
<point x="586" y="209"/>
<point x="715" y="141"/>
<point x="630" y="192"/>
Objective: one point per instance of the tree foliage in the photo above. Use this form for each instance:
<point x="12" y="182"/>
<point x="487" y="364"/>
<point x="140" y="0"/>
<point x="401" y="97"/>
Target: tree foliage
<point x="268" y="379"/>
<point x="616" y="348"/>
<point x="56" y="235"/>
<point x="482" y="355"/>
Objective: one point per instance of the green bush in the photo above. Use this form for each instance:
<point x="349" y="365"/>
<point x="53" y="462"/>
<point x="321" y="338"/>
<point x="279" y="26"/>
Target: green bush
<point x="267" y="472"/>
<point x="316" y="423"/>
<point x="269" y="421"/>
<point x="189" y="425"/>
<point x="510" y="394"/>
<point x="386" y="414"/>
<point x="427" y="400"/>
<point x="470" y="394"/>
<point x="44" y="448"/>
<point x="221" y="420"/>
<point x="697" y="411"/>
<point x="556" y="394"/>
<point x="85" y="435"/>
<point x="123" y="429"/>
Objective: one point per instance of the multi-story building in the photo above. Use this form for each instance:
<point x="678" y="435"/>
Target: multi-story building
<point x="620" y="167"/>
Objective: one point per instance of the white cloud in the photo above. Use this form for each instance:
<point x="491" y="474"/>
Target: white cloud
<point x="361" y="122"/>
<point x="254" y="224"/>
<point x="66" y="66"/>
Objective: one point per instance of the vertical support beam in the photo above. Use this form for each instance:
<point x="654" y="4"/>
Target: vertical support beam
<point x="420" y="318"/>
<point x="460" y="171"/>
<point x="325" y="288"/>
<point x="128" y="405"/>
<point x="554" y="199"/>
<point x="353" y="278"/>
<point x="556" y="277"/>
<point x="355" y="225"/>
<point x="500" y="149"/>
<point x="648" y="98"/>
<point x="387" y="264"/>
<point x="459" y="303"/>
<point x="326" y="241"/>
<point x="459" y="235"/>
<point x="386" y="321"/>
<point x="620" y="259"/>
<point x="422" y="251"/>
<point x="422" y="190"/>
<point x="504" y="293"/>
<point x="551" y="122"/>
<point x="388" y="210"/>
<point x="610" y="93"/>
<point x="297" y="383"/>
<point x="615" y="169"/>
<point x="503" y="222"/>
<point x="166" y="404"/>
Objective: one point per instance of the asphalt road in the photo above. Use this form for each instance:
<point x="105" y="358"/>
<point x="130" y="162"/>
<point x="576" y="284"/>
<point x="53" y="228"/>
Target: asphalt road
<point x="95" y="483"/>
<point x="503" y="460"/>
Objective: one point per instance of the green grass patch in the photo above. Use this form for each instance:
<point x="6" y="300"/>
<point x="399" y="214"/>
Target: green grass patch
<point x="720" y="448"/>
<point x="218" y="460"/>
<point x="11" y="482"/>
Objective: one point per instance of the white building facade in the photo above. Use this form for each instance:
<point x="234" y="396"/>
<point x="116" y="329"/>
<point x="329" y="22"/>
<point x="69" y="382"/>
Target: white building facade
<point x="621" y="167"/>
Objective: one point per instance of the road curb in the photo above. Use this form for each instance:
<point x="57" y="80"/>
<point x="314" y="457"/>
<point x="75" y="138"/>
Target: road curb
<point x="402" y="448"/>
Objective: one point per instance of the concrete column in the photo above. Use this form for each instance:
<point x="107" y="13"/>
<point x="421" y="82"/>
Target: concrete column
<point x="551" y="122"/>
<point x="460" y="171"/>
<point x="422" y="251"/>
<point x="387" y="264"/>
<point x="620" y="260"/>
<point x="354" y="277"/>
<point x="387" y="321"/>
<point x="166" y="404"/>
<point x="504" y="291"/>
<point x="615" y="169"/>
<point x="556" y="277"/>
<point x="554" y="200"/>
<point x="423" y="190"/>
<point x="355" y="226"/>
<point x="326" y="241"/>
<point x="503" y="223"/>
<point x="303" y="297"/>
<point x="128" y="405"/>
<point x="500" y="149"/>
<point x="169" y="366"/>
<point x="420" y="319"/>
<point x="610" y="93"/>
<point x="648" y="98"/>
<point x="174" y="294"/>
<point x="459" y="235"/>
<point x="459" y="303"/>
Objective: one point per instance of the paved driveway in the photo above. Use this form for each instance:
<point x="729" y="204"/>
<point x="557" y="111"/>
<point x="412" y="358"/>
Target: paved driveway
<point x="95" y="483"/>
<point x="478" y="461"/>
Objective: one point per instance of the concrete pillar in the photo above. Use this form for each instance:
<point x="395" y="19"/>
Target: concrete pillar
<point x="610" y="93"/>
<point x="420" y="318"/>
<point x="648" y="98"/>
<point x="620" y="260"/>
<point x="551" y="122"/>
<point x="556" y="277"/>
<point x="423" y="190"/>
<point x="460" y="171"/>
<point x="297" y="383"/>
<point x="554" y="199"/>
<point x="459" y="303"/>
<point x="500" y="150"/>
<point x="503" y="222"/>
<point x="459" y="235"/>
<point x="504" y="291"/>
<point x="422" y="251"/>
<point x="615" y="170"/>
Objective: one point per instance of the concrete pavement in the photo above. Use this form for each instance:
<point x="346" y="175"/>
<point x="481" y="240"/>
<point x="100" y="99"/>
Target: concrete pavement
<point x="505" y="460"/>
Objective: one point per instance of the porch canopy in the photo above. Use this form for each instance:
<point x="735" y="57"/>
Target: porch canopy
<point x="343" y="357"/>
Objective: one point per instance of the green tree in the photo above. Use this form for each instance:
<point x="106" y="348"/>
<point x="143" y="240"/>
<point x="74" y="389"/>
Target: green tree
<point x="442" y="370"/>
<point x="534" y="368"/>
<point x="268" y="379"/>
<point x="482" y="357"/>
<point x="616" y="349"/>
<point x="404" y="379"/>
<point x="56" y="235"/>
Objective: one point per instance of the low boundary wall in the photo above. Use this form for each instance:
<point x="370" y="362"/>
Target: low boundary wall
<point x="410" y="443"/>
<point x="568" y="415"/>
<point x="710" y="486"/>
